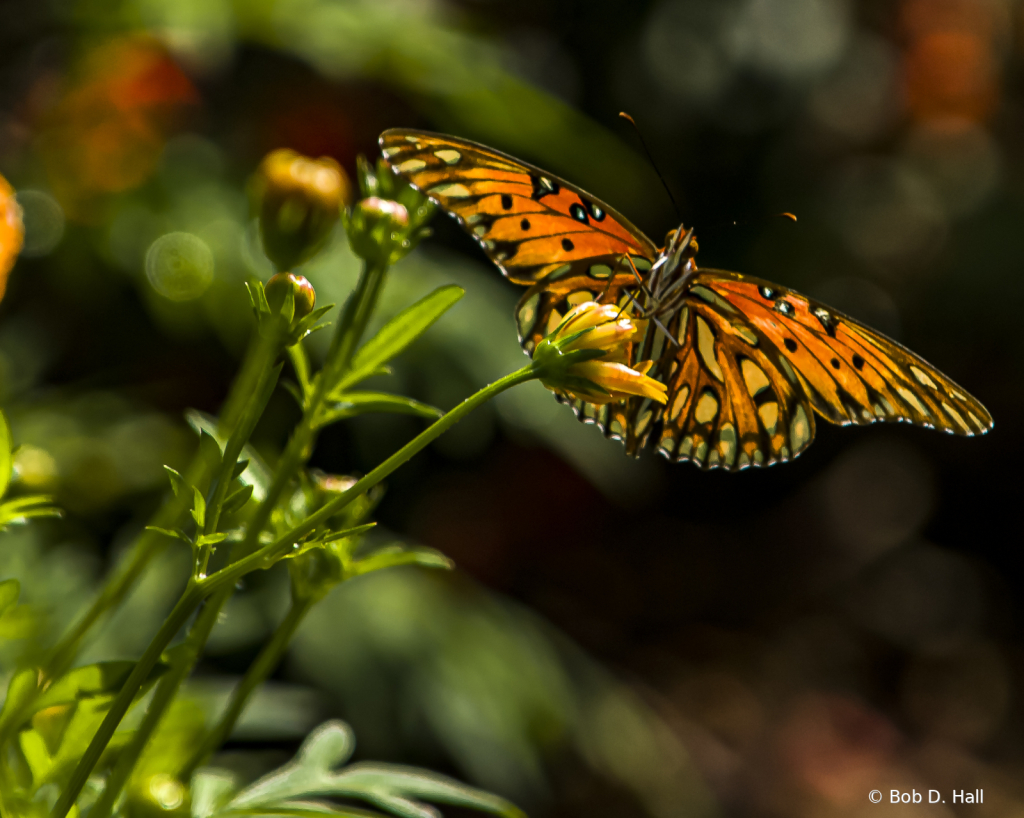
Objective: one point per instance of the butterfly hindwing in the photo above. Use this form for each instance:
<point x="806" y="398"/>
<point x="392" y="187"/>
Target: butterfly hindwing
<point x="530" y="223"/>
<point x="733" y="402"/>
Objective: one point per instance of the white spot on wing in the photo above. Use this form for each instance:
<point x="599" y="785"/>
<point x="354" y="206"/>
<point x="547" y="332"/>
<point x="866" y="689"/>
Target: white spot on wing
<point x="453" y="190"/>
<point x="448" y="156"/>
<point x="410" y="165"/>
<point x="922" y="377"/>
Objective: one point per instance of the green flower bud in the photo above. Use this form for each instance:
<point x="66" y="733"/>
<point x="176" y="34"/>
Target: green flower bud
<point x="298" y="201"/>
<point x="277" y="288"/>
<point x="377" y="230"/>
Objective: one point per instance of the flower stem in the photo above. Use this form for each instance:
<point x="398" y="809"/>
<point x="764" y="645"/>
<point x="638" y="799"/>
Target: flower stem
<point x="166" y="690"/>
<point x="358" y="309"/>
<point x="258" y="360"/>
<point x="413" y="447"/>
<point x="258" y="672"/>
<point x="184" y="608"/>
<point x="355" y="316"/>
<point x="225" y="578"/>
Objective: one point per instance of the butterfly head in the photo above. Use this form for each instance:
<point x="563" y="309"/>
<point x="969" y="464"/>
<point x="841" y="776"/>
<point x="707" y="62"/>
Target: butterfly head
<point x="681" y="242"/>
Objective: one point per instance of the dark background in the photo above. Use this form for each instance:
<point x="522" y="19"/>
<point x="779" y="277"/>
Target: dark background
<point x="620" y="638"/>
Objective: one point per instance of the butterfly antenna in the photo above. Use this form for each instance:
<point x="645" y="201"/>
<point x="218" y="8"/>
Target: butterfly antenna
<point x="654" y="164"/>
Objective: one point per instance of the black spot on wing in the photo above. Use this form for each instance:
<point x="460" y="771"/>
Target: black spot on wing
<point x="595" y="210"/>
<point x="790" y="344"/>
<point x="542" y="186"/>
<point x="506" y="201"/>
<point x="502" y="250"/>
<point x="567" y="245"/>
<point x="827" y="320"/>
<point x="525" y="224"/>
<point x="579" y="213"/>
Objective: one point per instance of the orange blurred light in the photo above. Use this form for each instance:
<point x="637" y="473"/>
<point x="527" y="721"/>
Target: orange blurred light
<point x="11" y="232"/>
<point x="107" y="131"/>
<point x="951" y="74"/>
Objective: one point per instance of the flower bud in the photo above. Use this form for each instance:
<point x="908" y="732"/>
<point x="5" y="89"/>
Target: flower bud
<point x="277" y="288"/>
<point x="298" y="201"/>
<point x="587" y="357"/>
<point x="12" y="232"/>
<point x="377" y="228"/>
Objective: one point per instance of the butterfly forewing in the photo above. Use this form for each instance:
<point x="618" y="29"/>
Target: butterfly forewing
<point x="530" y="223"/>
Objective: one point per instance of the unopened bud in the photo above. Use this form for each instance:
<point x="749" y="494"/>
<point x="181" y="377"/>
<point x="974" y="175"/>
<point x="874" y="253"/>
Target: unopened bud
<point x="277" y="288"/>
<point x="376" y="229"/>
<point x="298" y="200"/>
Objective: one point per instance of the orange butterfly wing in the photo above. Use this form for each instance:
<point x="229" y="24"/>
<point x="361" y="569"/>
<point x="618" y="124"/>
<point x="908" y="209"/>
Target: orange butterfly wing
<point x="531" y="224"/>
<point x="756" y="362"/>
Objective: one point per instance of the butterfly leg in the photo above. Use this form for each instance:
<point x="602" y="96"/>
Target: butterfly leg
<point x="653" y="318"/>
<point x="641" y="286"/>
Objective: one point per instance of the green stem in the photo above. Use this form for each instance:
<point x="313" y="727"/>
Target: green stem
<point x="225" y="578"/>
<point x="355" y="316"/>
<point x="258" y="672"/>
<point x="258" y="359"/>
<point x="184" y="608"/>
<point x="166" y="690"/>
<point x="358" y="309"/>
<point x="413" y="447"/>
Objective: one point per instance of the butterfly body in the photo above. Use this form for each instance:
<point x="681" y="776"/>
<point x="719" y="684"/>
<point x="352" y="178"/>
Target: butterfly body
<point x="747" y="363"/>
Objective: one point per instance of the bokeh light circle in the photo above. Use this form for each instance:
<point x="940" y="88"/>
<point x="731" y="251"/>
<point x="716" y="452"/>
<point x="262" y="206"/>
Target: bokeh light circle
<point x="44" y="222"/>
<point x="179" y="266"/>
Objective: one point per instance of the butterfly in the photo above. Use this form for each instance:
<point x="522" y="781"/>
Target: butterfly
<point x="747" y="363"/>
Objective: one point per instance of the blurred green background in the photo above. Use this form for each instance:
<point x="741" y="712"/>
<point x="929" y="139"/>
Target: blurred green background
<point x="622" y="638"/>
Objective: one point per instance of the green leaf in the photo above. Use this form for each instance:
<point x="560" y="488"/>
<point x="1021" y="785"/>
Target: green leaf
<point x="361" y="403"/>
<point x="236" y="500"/>
<point x="258" y="298"/>
<point x="102" y="679"/>
<point x="301" y="548"/>
<point x="198" y="508"/>
<point x="240" y="467"/>
<point x="212" y="539"/>
<point x="38" y="757"/>
<point x="300" y="363"/>
<point x="400" y="555"/>
<point x="20" y="689"/>
<point x="179" y="732"/>
<point x="395" y="788"/>
<point x="19" y="622"/>
<point x="6" y="455"/>
<point x="178" y="484"/>
<point x="212" y="449"/>
<point x="397" y="334"/>
<point x="172" y="532"/>
<point x="23" y="509"/>
<point x="256" y="475"/>
<point x="211" y="790"/>
<point x="10" y="590"/>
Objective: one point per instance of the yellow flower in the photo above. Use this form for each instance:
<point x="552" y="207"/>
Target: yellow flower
<point x="587" y="357"/>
